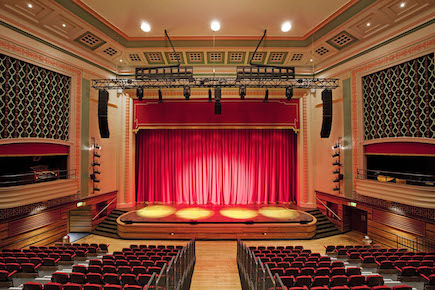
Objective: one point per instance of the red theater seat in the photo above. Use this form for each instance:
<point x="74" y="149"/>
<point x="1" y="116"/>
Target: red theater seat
<point x="52" y="286"/>
<point x="363" y="287"/>
<point x="112" y="287"/>
<point x="321" y="281"/>
<point x="95" y="278"/>
<point x="72" y="286"/>
<point x="339" y="280"/>
<point x="374" y="280"/>
<point x="288" y="281"/>
<point x="303" y="281"/>
<point x="356" y="280"/>
<point x="143" y="279"/>
<point x="32" y="286"/>
<point x="92" y="287"/>
<point x="128" y="279"/>
<point x="78" y="278"/>
<point x="59" y="277"/>
<point x="111" y="278"/>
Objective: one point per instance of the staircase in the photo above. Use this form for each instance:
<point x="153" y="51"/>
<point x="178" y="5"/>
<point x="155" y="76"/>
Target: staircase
<point x="324" y="227"/>
<point x="108" y="227"/>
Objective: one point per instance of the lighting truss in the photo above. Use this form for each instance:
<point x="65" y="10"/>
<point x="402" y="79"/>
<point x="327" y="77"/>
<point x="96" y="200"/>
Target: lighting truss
<point x="213" y="82"/>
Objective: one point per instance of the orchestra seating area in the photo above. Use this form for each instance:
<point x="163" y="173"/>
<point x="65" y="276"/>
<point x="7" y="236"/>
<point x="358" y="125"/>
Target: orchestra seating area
<point x="92" y="267"/>
<point x="341" y="268"/>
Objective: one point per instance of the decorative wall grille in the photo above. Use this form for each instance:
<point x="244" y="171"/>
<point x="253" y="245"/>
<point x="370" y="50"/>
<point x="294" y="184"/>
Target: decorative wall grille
<point x="34" y="102"/>
<point x="400" y="101"/>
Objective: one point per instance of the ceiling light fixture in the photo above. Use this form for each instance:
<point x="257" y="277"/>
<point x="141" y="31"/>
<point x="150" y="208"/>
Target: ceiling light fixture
<point x="29" y="5"/>
<point x="64" y="25"/>
<point x="145" y="26"/>
<point x="215" y="25"/>
<point x="120" y="60"/>
<point x="286" y="26"/>
<point x="311" y="59"/>
<point x="368" y="24"/>
<point x="403" y="4"/>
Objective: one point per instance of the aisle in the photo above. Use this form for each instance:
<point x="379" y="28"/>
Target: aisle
<point x="216" y="266"/>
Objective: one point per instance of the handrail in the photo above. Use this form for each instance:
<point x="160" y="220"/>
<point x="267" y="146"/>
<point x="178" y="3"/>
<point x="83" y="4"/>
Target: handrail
<point x="420" y="244"/>
<point x="104" y="208"/>
<point x="328" y="208"/>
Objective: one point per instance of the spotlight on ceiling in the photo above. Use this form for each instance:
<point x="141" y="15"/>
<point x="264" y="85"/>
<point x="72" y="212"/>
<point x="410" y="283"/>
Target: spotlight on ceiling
<point x="209" y="96"/>
<point x="242" y="92"/>
<point x="403" y="4"/>
<point x="30" y="5"/>
<point x="139" y="93"/>
<point x="160" y="96"/>
<point x="286" y="26"/>
<point x="215" y="25"/>
<point x="289" y="93"/>
<point x="145" y="26"/>
<point x="266" y="96"/>
<point x="186" y="92"/>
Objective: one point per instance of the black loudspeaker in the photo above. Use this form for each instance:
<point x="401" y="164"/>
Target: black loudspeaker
<point x="103" y="99"/>
<point x="327" y="114"/>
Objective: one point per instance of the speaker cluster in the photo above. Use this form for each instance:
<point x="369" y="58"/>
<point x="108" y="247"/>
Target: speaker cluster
<point x="103" y="99"/>
<point x="336" y="149"/>
<point x="327" y="113"/>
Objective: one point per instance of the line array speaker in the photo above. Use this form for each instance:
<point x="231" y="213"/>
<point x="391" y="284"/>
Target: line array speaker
<point x="103" y="99"/>
<point x="327" y="114"/>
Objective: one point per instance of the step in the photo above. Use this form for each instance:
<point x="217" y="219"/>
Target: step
<point x="105" y="234"/>
<point x="104" y="229"/>
<point x="324" y="226"/>
<point x="323" y="222"/>
<point x="106" y="222"/>
<point x="108" y="226"/>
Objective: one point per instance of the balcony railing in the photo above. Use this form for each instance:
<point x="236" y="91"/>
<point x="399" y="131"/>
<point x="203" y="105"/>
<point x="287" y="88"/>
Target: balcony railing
<point x="397" y="177"/>
<point x="35" y="177"/>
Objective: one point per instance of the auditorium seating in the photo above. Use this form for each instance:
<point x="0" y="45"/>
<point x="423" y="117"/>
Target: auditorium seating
<point x="296" y="270"/>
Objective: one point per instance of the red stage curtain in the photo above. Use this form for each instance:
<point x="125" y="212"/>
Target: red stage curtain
<point x="216" y="166"/>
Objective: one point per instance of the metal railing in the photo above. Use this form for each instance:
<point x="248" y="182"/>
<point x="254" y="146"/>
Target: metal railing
<point x="35" y="177"/>
<point x="104" y="208"/>
<point x="397" y="177"/>
<point x="254" y="275"/>
<point x="420" y="244"/>
<point x="329" y="209"/>
<point x="177" y="274"/>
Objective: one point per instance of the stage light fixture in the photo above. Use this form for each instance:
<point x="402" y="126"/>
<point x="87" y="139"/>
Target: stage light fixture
<point x="97" y="147"/>
<point x="96" y="180"/>
<point x="210" y="98"/>
<point x="139" y="93"/>
<point x="336" y="155"/>
<point x="289" y="93"/>
<point x="96" y="164"/>
<point x="186" y="92"/>
<point x="97" y="172"/>
<point x="97" y="155"/>
<point x="218" y="93"/>
<point x="145" y="26"/>
<point x="92" y="176"/>
<point x="336" y="146"/>
<point x="160" y="96"/>
<point x="336" y="163"/>
<point x="286" y="26"/>
<point x="96" y="189"/>
<point x="242" y="92"/>
<point x="215" y="25"/>
<point x="336" y="189"/>
<point x="266" y="96"/>
<point x="336" y="171"/>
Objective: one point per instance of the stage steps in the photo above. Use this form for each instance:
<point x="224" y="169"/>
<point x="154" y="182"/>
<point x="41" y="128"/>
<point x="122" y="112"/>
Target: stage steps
<point x="108" y="226"/>
<point x="324" y="227"/>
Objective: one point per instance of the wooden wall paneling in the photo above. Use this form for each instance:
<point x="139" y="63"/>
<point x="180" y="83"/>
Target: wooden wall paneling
<point x="430" y="231"/>
<point x="80" y="220"/>
<point x="399" y="222"/>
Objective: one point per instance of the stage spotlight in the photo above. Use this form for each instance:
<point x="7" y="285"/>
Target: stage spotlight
<point x="336" y="163"/>
<point x="217" y="108"/>
<point x="97" y="147"/>
<point x="96" y="164"/>
<point x="160" y="96"/>
<point x="266" y="96"/>
<point x="336" y="155"/>
<point x="186" y="92"/>
<point x="336" y="172"/>
<point x="218" y="93"/>
<point x="242" y="92"/>
<point x="96" y="189"/>
<point x="92" y="176"/>
<point x="97" y="172"/>
<point x="336" y="189"/>
<point x="139" y="93"/>
<point x="210" y="99"/>
<point x="97" y="155"/>
<point x="289" y="93"/>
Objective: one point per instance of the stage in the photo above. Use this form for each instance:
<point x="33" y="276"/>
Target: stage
<point x="171" y="221"/>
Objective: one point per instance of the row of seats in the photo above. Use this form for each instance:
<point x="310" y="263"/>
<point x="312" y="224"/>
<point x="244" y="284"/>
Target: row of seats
<point x="300" y="264"/>
<point x="275" y="247"/>
<point x="365" y="287"/>
<point x="308" y="271"/>
<point x="107" y="278"/>
<point x="74" y="286"/>
<point x="339" y="280"/>
<point x="398" y="263"/>
<point x="120" y="270"/>
<point x="142" y="247"/>
<point x="312" y="261"/>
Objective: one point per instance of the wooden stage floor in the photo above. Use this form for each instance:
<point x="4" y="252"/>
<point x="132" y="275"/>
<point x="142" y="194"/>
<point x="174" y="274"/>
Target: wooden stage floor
<point x="207" y="222"/>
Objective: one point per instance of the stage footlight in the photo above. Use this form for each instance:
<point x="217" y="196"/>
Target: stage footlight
<point x="289" y="93"/>
<point x="242" y="92"/>
<point x="96" y="164"/>
<point x="139" y="93"/>
<point x="210" y="98"/>
<point x="186" y="92"/>
<point x="266" y="96"/>
<point x="160" y="96"/>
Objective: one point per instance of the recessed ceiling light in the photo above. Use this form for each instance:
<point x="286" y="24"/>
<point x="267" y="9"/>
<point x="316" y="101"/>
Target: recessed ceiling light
<point x="402" y="4"/>
<point x="64" y="25"/>
<point x="215" y="25"/>
<point x="311" y="59"/>
<point x="368" y="24"/>
<point x="120" y="60"/>
<point x="145" y="27"/>
<point x="286" y="26"/>
<point x="29" y="5"/>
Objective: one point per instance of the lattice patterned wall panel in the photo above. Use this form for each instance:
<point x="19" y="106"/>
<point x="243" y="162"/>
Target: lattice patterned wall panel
<point x="34" y="102"/>
<point x="399" y="101"/>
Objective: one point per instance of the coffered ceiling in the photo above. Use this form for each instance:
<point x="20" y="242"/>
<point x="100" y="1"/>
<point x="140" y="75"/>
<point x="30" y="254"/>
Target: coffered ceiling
<point x="107" y="32"/>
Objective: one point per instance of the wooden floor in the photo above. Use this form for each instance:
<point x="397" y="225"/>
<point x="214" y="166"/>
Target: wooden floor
<point x="216" y="266"/>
